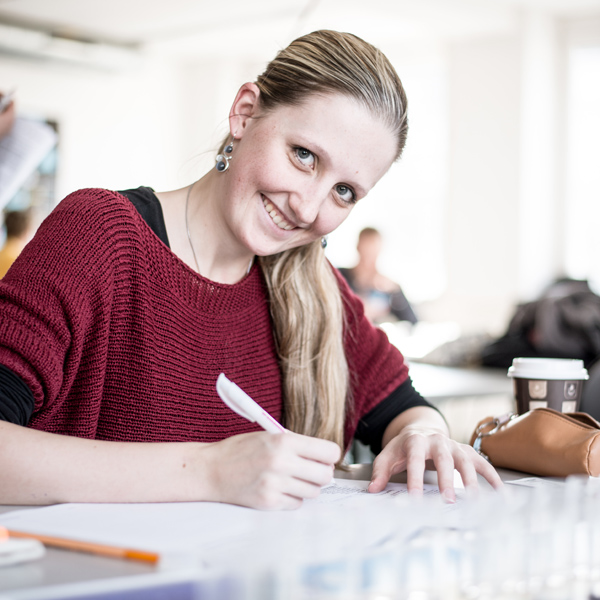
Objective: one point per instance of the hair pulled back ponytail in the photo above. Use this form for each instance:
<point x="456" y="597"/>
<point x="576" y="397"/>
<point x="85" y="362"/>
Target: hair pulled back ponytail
<point x="306" y="305"/>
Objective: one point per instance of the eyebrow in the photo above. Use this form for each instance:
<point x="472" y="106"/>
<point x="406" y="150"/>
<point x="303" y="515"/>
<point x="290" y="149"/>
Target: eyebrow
<point x="320" y="151"/>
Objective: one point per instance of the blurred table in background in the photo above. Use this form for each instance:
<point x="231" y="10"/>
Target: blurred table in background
<point x="464" y="395"/>
<point x="442" y="383"/>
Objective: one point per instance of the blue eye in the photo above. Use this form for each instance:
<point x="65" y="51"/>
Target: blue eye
<point x="306" y="157"/>
<point x="345" y="193"/>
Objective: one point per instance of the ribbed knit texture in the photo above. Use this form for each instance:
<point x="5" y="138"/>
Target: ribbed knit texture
<point x="118" y="339"/>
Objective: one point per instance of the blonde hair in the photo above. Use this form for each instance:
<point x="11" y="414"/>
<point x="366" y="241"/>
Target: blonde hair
<point x="306" y="304"/>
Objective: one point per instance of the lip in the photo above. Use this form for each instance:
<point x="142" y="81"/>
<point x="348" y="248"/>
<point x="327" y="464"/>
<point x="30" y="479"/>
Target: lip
<point x="280" y="212"/>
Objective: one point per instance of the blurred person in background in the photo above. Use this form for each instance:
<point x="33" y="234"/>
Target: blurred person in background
<point x="19" y="229"/>
<point x="7" y="116"/>
<point x="383" y="298"/>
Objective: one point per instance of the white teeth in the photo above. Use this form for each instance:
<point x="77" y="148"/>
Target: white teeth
<point x="277" y="219"/>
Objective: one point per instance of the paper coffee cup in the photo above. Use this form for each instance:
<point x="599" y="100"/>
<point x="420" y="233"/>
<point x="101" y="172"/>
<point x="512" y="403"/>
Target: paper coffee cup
<point x="548" y="383"/>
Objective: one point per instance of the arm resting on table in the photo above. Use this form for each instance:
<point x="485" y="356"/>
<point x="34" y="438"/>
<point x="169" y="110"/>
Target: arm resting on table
<point x="259" y="470"/>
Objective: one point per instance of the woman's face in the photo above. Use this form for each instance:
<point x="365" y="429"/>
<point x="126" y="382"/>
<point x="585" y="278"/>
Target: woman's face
<point x="297" y="171"/>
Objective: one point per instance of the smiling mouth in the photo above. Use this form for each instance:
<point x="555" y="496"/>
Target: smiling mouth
<point x="275" y="216"/>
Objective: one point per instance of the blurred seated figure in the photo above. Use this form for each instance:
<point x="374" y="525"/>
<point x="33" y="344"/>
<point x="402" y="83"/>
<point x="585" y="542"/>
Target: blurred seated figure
<point x="7" y="118"/>
<point x="382" y="297"/>
<point x="18" y="224"/>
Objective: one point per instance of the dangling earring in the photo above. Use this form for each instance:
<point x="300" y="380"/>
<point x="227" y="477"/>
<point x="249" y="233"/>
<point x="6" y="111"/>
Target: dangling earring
<point x="223" y="159"/>
<point x="323" y="243"/>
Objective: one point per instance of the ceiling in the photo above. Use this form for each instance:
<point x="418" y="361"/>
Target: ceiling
<point x="226" y="27"/>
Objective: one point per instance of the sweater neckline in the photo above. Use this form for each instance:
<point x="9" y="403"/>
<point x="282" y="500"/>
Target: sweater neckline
<point x="150" y="195"/>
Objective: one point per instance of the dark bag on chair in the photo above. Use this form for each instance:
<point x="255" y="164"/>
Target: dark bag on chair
<point x="563" y="323"/>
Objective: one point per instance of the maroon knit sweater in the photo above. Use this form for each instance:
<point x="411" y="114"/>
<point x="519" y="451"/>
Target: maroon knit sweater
<point x="118" y="339"/>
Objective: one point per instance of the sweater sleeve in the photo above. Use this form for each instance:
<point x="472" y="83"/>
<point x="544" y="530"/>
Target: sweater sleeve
<point x="55" y="301"/>
<point x="377" y="368"/>
<point x="16" y="399"/>
<point x="372" y="426"/>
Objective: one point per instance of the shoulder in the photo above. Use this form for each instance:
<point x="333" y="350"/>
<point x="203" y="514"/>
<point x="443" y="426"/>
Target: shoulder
<point x="92" y="215"/>
<point x="88" y="226"/>
<point x="94" y="203"/>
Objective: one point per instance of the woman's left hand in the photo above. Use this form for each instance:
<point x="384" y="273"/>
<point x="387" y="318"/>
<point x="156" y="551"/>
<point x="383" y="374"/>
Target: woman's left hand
<point x="417" y="440"/>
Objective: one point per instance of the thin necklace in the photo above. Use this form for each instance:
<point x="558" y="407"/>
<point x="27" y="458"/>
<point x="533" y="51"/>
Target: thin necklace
<point x="187" y="228"/>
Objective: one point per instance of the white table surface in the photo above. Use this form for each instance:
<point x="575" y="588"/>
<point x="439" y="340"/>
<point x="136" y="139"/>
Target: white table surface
<point x="79" y="573"/>
<point x="437" y="383"/>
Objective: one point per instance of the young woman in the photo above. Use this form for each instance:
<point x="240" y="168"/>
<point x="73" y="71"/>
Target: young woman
<point x="118" y="317"/>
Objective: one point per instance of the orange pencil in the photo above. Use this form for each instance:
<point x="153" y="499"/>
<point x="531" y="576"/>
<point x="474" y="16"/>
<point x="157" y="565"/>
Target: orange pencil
<point x="90" y="547"/>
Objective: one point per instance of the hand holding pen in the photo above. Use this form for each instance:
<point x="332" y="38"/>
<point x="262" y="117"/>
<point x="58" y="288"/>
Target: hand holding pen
<point x="267" y="470"/>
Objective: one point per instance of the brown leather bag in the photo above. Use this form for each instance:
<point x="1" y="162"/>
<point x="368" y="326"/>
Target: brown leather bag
<point x="542" y="442"/>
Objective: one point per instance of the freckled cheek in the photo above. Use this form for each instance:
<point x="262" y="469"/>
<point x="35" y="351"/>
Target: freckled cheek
<point x="273" y="176"/>
<point x="328" y="221"/>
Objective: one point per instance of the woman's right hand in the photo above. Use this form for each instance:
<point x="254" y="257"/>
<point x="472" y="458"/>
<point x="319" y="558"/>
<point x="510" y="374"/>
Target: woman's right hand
<point x="260" y="470"/>
<point x="268" y="471"/>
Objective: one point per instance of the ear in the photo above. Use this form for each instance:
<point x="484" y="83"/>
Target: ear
<point x="245" y="106"/>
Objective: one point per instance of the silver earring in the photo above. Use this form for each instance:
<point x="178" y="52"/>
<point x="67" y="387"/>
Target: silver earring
<point x="223" y="159"/>
<point x="323" y="243"/>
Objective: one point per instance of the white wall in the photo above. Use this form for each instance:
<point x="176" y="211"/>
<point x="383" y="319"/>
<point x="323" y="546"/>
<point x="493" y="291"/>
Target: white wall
<point x="457" y="211"/>
<point x="117" y="129"/>
<point x="481" y="225"/>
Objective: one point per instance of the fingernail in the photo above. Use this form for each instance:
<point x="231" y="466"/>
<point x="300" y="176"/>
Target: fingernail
<point x="448" y="497"/>
<point x="369" y="486"/>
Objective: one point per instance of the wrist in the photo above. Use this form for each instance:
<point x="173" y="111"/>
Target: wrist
<point x="194" y="466"/>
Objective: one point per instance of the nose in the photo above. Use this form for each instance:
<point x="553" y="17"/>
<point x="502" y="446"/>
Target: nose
<point x="306" y="204"/>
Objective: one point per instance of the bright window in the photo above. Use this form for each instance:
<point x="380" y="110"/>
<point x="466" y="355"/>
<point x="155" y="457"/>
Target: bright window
<point x="583" y="166"/>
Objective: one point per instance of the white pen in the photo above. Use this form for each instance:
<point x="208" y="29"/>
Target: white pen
<point x="6" y="100"/>
<point x="240" y="403"/>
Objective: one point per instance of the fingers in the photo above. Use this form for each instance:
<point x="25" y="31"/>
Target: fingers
<point x="444" y="460"/>
<point x="310" y="471"/>
<point x="271" y="472"/>
<point x="384" y="466"/>
<point x="464" y="464"/>
<point x="417" y="450"/>
<point x="484" y="468"/>
<point x="315" y="449"/>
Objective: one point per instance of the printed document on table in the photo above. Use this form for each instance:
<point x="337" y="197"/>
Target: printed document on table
<point x="212" y="532"/>
<point x="348" y="492"/>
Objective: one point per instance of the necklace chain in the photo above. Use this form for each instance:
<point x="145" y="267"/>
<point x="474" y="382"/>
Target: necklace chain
<point x="187" y="228"/>
<point x="187" y="225"/>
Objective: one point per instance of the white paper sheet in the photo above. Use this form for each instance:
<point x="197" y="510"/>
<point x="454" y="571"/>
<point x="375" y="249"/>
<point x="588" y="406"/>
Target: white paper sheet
<point x="536" y="482"/>
<point x="348" y="491"/>
<point x="344" y="515"/>
<point x="21" y="152"/>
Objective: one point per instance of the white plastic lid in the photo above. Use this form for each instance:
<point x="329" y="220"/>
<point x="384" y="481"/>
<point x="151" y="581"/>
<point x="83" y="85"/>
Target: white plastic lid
<point x="548" y="368"/>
